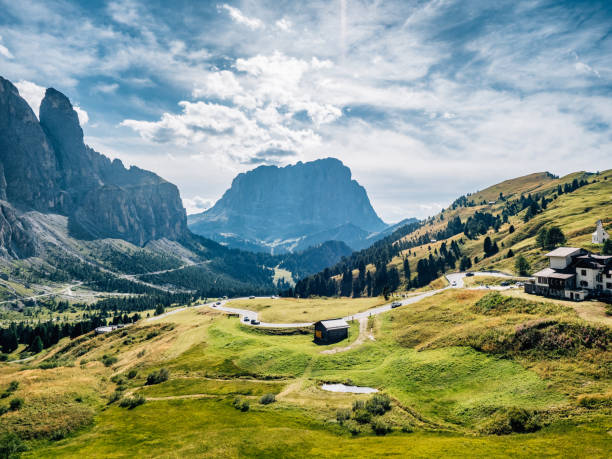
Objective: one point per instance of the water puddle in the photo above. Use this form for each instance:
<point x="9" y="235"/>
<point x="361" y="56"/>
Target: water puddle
<point x="351" y="389"/>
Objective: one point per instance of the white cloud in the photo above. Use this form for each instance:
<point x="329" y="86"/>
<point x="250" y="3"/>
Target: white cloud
<point x="284" y="24"/>
<point x="197" y="204"/>
<point x="32" y="93"/>
<point x="82" y="114"/>
<point x="106" y="88"/>
<point x="221" y="84"/>
<point x="238" y="17"/>
<point x="4" y="50"/>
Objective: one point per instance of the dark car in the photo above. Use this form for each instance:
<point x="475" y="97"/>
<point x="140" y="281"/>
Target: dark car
<point x="246" y="319"/>
<point x="505" y="284"/>
<point x="396" y="304"/>
<point x="469" y="274"/>
<point x="255" y="322"/>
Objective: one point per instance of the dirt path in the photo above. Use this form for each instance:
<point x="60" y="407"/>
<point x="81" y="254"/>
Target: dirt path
<point x="364" y="335"/>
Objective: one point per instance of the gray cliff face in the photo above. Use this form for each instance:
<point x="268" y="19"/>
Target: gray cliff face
<point x="28" y="169"/>
<point x="271" y="203"/>
<point x="46" y="166"/>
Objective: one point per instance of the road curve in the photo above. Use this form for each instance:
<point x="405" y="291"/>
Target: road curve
<point x="453" y="277"/>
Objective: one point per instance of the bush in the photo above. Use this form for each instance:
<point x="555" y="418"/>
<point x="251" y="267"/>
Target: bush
<point x="132" y="402"/>
<point x="132" y="374"/>
<point x="343" y="415"/>
<point x="109" y="360"/>
<point x="378" y="404"/>
<point x="362" y="416"/>
<point x="513" y="420"/>
<point x="241" y="404"/>
<point x="352" y="427"/>
<point x="3" y="409"/>
<point x="15" y="404"/>
<point x="267" y="399"/>
<point x="11" y="445"/>
<point x="157" y="377"/>
<point x="13" y="386"/>
<point x="358" y="405"/>
<point x="381" y="427"/>
<point x="595" y="401"/>
<point x="114" y="397"/>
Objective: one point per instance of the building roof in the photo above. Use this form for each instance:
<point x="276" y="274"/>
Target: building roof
<point x="593" y="261"/>
<point x="554" y="273"/>
<point x="334" y="324"/>
<point x="564" y="252"/>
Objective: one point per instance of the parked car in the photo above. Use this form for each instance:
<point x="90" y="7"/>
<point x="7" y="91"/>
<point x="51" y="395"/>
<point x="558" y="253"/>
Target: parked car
<point x="255" y="322"/>
<point x="469" y="274"/>
<point x="251" y="297"/>
<point x="396" y="304"/>
<point x="505" y="284"/>
<point x="246" y="319"/>
<point x="454" y="284"/>
<point x="218" y="303"/>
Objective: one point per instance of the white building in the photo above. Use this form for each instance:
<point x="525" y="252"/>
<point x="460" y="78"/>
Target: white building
<point x="600" y="235"/>
<point x="573" y="274"/>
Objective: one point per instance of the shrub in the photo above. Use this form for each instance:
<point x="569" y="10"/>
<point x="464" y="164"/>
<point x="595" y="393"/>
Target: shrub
<point x="381" y="427"/>
<point x="11" y="445"/>
<point x="595" y="401"/>
<point x="132" y="402"/>
<point x="378" y="404"/>
<point x="132" y="374"/>
<point x="352" y="427"/>
<point x="241" y="404"/>
<point x="15" y="404"/>
<point x="13" y="386"/>
<point x="517" y="420"/>
<point x="3" y="409"/>
<point x="267" y="399"/>
<point x="109" y="360"/>
<point x="362" y="416"/>
<point x="157" y="377"/>
<point x="141" y="353"/>
<point x="358" y="405"/>
<point x="343" y="415"/>
<point x="114" y="397"/>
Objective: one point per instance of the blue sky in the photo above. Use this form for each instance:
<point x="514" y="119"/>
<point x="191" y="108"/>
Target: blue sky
<point x="423" y="100"/>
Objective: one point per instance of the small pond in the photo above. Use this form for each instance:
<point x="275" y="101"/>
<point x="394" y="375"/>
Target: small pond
<point x="351" y="389"/>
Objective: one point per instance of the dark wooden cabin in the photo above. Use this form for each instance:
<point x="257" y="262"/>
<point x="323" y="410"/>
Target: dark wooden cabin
<point x="330" y="331"/>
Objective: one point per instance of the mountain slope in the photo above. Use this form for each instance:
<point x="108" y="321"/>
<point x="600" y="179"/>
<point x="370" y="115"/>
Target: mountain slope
<point x="510" y="214"/>
<point x="290" y="208"/>
<point x="46" y="166"/>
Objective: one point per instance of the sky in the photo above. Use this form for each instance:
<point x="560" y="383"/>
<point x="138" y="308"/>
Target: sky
<point x="423" y="100"/>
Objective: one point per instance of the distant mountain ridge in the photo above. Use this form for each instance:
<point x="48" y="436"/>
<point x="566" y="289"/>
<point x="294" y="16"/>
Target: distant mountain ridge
<point x="280" y="209"/>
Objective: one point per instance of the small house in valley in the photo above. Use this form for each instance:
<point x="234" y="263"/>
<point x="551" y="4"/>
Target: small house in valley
<point x="330" y="331"/>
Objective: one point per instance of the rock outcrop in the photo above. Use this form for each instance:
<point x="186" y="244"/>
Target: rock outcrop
<point x="276" y="208"/>
<point x="46" y="166"/>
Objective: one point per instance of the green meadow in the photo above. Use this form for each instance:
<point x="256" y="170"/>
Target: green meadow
<point x="457" y="382"/>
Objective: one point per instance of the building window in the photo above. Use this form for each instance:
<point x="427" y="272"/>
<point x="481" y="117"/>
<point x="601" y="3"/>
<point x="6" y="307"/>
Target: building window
<point x="608" y="284"/>
<point x="598" y="278"/>
<point x="584" y="284"/>
<point x="583" y="272"/>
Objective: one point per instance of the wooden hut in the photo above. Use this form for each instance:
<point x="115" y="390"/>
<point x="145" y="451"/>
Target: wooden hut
<point x="330" y="331"/>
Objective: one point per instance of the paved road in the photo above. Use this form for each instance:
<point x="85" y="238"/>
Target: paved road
<point x="453" y="277"/>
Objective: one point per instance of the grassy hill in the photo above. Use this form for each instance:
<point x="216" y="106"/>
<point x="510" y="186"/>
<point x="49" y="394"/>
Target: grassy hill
<point x="584" y="199"/>
<point x="468" y="373"/>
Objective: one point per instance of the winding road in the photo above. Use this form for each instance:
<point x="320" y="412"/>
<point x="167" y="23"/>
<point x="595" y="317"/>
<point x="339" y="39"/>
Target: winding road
<point x="456" y="278"/>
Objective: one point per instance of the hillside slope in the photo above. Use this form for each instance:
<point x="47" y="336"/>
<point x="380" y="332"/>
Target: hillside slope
<point x="510" y="214"/>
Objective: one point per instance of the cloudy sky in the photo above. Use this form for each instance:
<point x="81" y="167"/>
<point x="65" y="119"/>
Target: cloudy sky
<point x="423" y="100"/>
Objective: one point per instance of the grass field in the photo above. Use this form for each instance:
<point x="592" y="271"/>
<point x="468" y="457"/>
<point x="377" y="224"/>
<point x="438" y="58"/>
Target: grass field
<point x="445" y="362"/>
<point x="292" y="310"/>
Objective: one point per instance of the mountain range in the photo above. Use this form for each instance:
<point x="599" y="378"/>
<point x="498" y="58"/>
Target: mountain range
<point x="68" y="207"/>
<point x="286" y="209"/>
